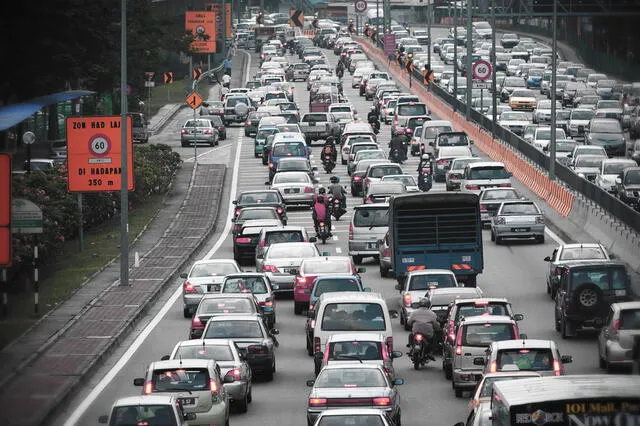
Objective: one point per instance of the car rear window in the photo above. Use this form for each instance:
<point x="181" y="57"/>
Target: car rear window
<point x="335" y="284"/>
<point x="430" y="281"/>
<point x="453" y="140"/>
<point x="269" y="197"/>
<point x="226" y="305"/>
<point x="352" y="419"/>
<point x="350" y="378"/>
<point x="385" y="170"/>
<point x="254" y="285"/>
<point x="537" y="359"/>
<point x="283" y="237"/>
<point x="371" y="217"/>
<point x="288" y="149"/>
<point x="314" y="117"/>
<point x="257" y="214"/>
<point x="233" y="330"/>
<point x="355" y="349"/>
<point x="629" y="319"/>
<point x="412" y="109"/>
<point x="482" y="335"/>
<point x="484" y="173"/>
<point x="516" y="209"/>
<point x="146" y="414"/>
<point x="605" y="279"/>
<point x="213" y="269"/>
<point x="353" y="317"/>
<point x="431" y="132"/>
<point x="327" y="267"/>
<point x="285" y="251"/>
<point x="473" y="310"/>
<point x="215" y="352"/>
<point x="180" y="379"/>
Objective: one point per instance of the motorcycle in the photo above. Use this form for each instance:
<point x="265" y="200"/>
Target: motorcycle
<point x="425" y="178"/>
<point x="323" y="231"/>
<point x="395" y="156"/>
<point x="328" y="163"/>
<point x="340" y="73"/>
<point x="338" y="209"/>
<point x="419" y="353"/>
<point x="375" y="123"/>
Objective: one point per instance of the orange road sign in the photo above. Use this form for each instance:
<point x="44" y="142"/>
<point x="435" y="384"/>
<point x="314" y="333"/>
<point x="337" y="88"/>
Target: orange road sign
<point x="94" y="155"/>
<point x="196" y="73"/>
<point x="5" y="246"/>
<point x="168" y="77"/>
<point x="202" y="25"/>
<point x="194" y="100"/>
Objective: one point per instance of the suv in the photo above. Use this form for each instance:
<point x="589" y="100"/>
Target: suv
<point x="236" y="109"/>
<point x="195" y="382"/>
<point x="484" y="174"/>
<point x="628" y="185"/>
<point x="541" y="356"/>
<point x="474" y="336"/>
<point x="585" y="292"/>
<point x="586" y="252"/>
<point x="369" y="224"/>
<point x="259" y="198"/>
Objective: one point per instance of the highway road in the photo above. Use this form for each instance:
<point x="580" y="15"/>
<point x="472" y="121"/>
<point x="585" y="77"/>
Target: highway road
<point x="515" y="271"/>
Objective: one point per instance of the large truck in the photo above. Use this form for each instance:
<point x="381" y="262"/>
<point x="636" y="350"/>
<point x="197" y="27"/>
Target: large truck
<point x="436" y="230"/>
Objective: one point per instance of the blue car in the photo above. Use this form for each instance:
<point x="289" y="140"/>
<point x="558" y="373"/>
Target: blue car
<point x="286" y="145"/>
<point x="534" y="79"/>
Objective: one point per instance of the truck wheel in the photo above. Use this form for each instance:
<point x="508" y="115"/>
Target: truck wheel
<point x="357" y="260"/>
<point x="472" y="282"/>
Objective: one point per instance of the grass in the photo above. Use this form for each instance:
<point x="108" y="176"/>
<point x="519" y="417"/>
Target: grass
<point x="71" y="267"/>
<point x="174" y="93"/>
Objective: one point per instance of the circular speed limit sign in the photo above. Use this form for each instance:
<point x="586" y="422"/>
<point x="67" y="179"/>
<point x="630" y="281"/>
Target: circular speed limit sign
<point x="481" y="70"/>
<point x="360" y="6"/>
<point x="99" y="145"/>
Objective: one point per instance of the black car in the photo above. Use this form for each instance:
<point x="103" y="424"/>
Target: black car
<point x="293" y="164"/>
<point x="261" y="198"/>
<point x="628" y="186"/>
<point x="246" y="240"/>
<point x="607" y="133"/>
<point x="218" y="124"/>
<point x="253" y="213"/>
<point x="585" y="292"/>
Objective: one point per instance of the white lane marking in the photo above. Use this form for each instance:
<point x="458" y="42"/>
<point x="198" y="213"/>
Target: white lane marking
<point x="190" y="159"/>
<point x="335" y="238"/>
<point x="554" y="236"/>
<point x="338" y="250"/>
<point x="139" y="341"/>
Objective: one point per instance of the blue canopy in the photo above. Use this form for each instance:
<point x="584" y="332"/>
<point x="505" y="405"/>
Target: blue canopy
<point x="11" y="115"/>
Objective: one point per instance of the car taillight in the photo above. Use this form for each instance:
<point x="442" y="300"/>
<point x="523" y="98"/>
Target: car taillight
<point x="493" y="367"/>
<point x="187" y="287"/>
<point x="248" y="123"/>
<point x="459" y="342"/>
<point x="243" y="240"/>
<point x="148" y="388"/>
<point x="237" y="228"/>
<point x="389" y="344"/>
<point x="556" y="367"/>
<point x="271" y="165"/>
<point x="268" y="303"/>
<point x="262" y="243"/>
<point x="280" y="210"/>
<point x="483" y="208"/>
<point x="384" y="401"/>
<point x="258" y="349"/>
<point x="270" y="268"/>
<point x="316" y="402"/>
<point x="316" y="344"/>
<point x="616" y="325"/>
<point x="409" y="130"/>
<point x="442" y="162"/>
<point x="407" y="300"/>
<point x="207" y="131"/>
<point x="311" y="305"/>
<point x="419" y="337"/>
<point x="312" y="324"/>
<point x="196" y="324"/>
<point x="557" y="271"/>
<point x="235" y="373"/>
<point x="356" y="178"/>
<point x="472" y="187"/>
<point x="237" y="211"/>
<point x="458" y="350"/>
<point x="308" y="190"/>
<point x="325" y="357"/>
<point x="539" y="219"/>
<point x="213" y="385"/>
<point x="369" y="200"/>
<point x="386" y="252"/>
<point x="350" y="232"/>
<point x="184" y="131"/>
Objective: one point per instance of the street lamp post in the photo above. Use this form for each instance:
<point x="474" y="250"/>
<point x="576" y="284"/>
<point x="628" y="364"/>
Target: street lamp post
<point x="554" y="53"/>
<point x="124" y="187"/>
<point x="455" y="54"/>
<point x="467" y="65"/>
<point x="494" y="99"/>
<point x="429" y="33"/>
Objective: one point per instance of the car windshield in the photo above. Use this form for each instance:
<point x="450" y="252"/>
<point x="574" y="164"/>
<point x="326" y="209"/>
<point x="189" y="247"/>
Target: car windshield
<point x="453" y="140"/>
<point x="297" y="251"/>
<point x="255" y="285"/>
<point x="328" y="285"/>
<point x="516" y="209"/>
<point x="213" y="269"/>
<point x="487" y="384"/>
<point x="430" y="281"/>
<point x="292" y="236"/>
<point x="490" y="172"/>
<point x="147" y="414"/>
<point x="350" y="378"/>
<point x="291" y="177"/>
<point x="482" y="335"/>
<point x="617" y="167"/>
<point x="351" y="420"/>
<point x="584" y="161"/>
<point x="431" y="132"/>
<point x="479" y="308"/>
<point x="506" y="194"/>
<point x="353" y="317"/>
<point x="226" y="305"/>
<point x="203" y="351"/>
<point x="412" y="109"/>
<point x="536" y="359"/>
<point x="632" y="178"/>
<point x="565" y="146"/>
<point x="288" y="149"/>
<point x="257" y="198"/>
<point x="359" y="349"/>
<point x="514" y="116"/>
<point x="605" y="127"/>
<point x="198" y="123"/>
<point x="371" y="217"/>
<point x="231" y="329"/>
<point x="629" y="319"/>
<point x="605" y="278"/>
<point x="257" y="214"/>
<point x="180" y="379"/>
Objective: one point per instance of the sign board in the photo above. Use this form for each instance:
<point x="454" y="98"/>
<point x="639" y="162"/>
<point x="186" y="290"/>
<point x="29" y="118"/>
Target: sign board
<point x="5" y="209"/>
<point x="149" y="84"/>
<point x="201" y="24"/>
<point x="194" y="100"/>
<point x="26" y="217"/>
<point x="149" y="75"/>
<point x="481" y="70"/>
<point x="475" y="84"/>
<point x="389" y="44"/>
<point x="93" y="153"/>
<point x="360" y="6"/>
<point x="215" y="7"/>
<point x="296" y="18"/>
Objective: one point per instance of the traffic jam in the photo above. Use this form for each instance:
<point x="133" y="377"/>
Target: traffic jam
<point x="379" y="234"/>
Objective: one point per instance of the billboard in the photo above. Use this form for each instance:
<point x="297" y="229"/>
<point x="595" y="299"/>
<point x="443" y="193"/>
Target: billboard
<point x="200" y="24"/>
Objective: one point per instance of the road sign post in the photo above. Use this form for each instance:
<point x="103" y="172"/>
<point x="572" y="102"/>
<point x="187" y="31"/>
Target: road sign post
<point x="26" y="218"/>
<point x="28" y="138"/>
<point x="194" y="100"/>
<point x="481" y="72"/>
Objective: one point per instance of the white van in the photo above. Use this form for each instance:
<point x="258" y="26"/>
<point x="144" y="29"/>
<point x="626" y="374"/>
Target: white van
<point x="485" y="174"/>
<point x="351" y="312"/>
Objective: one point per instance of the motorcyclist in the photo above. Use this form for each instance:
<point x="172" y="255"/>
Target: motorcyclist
<point x="329" y="147"/>
<point x="340" y="69"/>
<point x="425" y="180"/>
<point x="321" y="212"/>
<point x="289" y="72"/>
<point x="423" y="321"/>
<point x="399" y="142"/>
<point x="337" y="191"/>
<point x="372" y="115"/>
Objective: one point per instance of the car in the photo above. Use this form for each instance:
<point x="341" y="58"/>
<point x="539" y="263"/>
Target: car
<point x="542" y="136"/>
<point x="515" y="121"/>
<point x="366" y="154"/>
<point x="255" y="213"/>
<point x="261" y="198"/>
<point x="628" y="186"/>
<point x="353" y="384"/>
<point x="610" y="169"/>
<point x="282" y="262"/>
<point x="474" y="336"/>
<point x="296" y="188"/>
<point x="586" y="252"/>
<point x="381" y="192"/>
<point x="541" y="356"/>
<point x="441" y="298"/>
<point x="585" y="292"/>
<point x="205" y="276"/>
<point x="245" y="241"/>
<point x="456" y="171"/>
<point x="588" y="166"/>
<point x="517" y="220"/>
<point x="369" y="223"/>
<point x="542" y="112"/>
<point x="294" y="164"/>
<point x="233" y="368"/>
<point x="491" y="199"/>
<point x="279" y="234"/>
<point x="408" y="181"/>
<point x="260" y="148"/>
<point x="384" y="256"/>
<point x="608" y="133"/>
<point x="586" y="149"/>
<point x="484" y="174"/>
<point x="351" y="416"/>
<point x="219" y="125"/>
<point x="38" y="164"/>
<point x="618" y="335"/>
<point x="448" y="140"/>
<point x="212" y="107"/>
<point x="255" y="341"/>
<point x="442" y="163"/>
<point x="417" y="283"/>
<point x="313" y="267"/>
<point x="461" y="308"/>
<point x="147" y="409"/>
<point x="345" y="148"/>
<point x="260" y="286"/>
<point x="200" y="130"/>
<point x="358" y="173"/>
<point x="221" y="304"/>
<point x="195" y="382"/>
<point x="354" y="148"/>
<point x="58" y="151"/>
<point x="564" y="147"/>
<point x="522" y="100"/>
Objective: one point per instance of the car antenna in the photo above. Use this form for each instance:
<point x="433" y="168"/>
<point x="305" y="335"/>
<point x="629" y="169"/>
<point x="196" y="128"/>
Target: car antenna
<point x="181" y="360"/>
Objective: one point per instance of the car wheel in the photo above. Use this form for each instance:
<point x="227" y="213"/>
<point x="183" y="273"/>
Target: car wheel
<point x="564" y="326"/>
<point x="242" y="405"/>
<point x="186" y="312"/>
<point x="399" y="419"/>
<point x="458" y="392"/>
<point x="493" y="236"/>
<point x="250" y="394"/>
<point x="540" y="239"/>
<point x="601" y="362"/>
<point x="309" y="348"/>
<point x="357" y="260"/>
<point x="246" y="133"/>
<point x="448" y="373"/>
<point x="498" y="240"/>
<point x="556" y="322"/>
<point x="384" y="272"/>
<point x="298" y="307"/>
<point x="588" y="296"/>
<point x="549" y="289"/>
<point x="268" y="376"/>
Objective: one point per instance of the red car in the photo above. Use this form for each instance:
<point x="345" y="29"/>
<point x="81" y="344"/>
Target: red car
<point x="311" y="268"/>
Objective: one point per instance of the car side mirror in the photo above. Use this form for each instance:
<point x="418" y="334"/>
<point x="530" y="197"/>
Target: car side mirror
<point x="398" y="287"/>
<point x="547" y="259"/>
<point x="165" y="358"/>
<point x="393" y="313"/>
<point x="184" y="275"/>
<point x="310" y="383"/>
<point x="518" y="317"/>
<point x="396" y="354"/>
<point x="523" y="336"/>
<point x="103" y="419"/>
<point x="189" y="416"/>
<point x="478" y="360"/>
<point x="267" y="182"/>
<point x="361" y="270"/>
<point x="566" y="359"/>
<point x="311" y="314"/>
<point x="138" y="381"/>
<point x="367" y="289"/>
<point x="274" y="331"/>
<point x="618" y="180"/>
<point x="398" y="382"/>
<point x="314" y="168"/>
<point x="228" y="379"/>
<point x="313" y="239"/>
<point x="612" y="256"/>
<point x="275" y="287"/>
<point x="234" y="202"/>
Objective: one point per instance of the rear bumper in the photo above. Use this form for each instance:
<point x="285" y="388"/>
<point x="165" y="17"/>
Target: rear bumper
<point x="526" y="230"/>
<point x="466" y="379"/>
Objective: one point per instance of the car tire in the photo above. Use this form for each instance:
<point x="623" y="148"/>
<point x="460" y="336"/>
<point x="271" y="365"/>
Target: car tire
<point x="344" y="163"/>
<point x="588" y="296"/>
<point x="357" y="260"/>
<point x="242" y="405"/>
<point x="564" y="325"/>
<point x="493" y="236"/>
<point x="298" y="307"/>
<point x="540" y="239"/>
<point x="384" y="272"/>
<point x="186" y="312"/>
<point x="268" y="376"/>
<point x="498" y="240"/>
<point x="458" y="392"/>
<point x="399" y="419"/>
<point x="448" y="373"/>
<point x="250" y="394"/>
<point x="602" y="363"/>
<point x="309" y="347"/>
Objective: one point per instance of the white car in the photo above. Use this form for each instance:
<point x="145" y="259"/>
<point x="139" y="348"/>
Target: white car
<point x="408" y="180"/>
<point x="610" y="169"/>
<point x="146" y="409"/>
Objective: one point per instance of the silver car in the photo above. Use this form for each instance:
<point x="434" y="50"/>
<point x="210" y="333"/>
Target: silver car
<point x="369" y="223"/>
<point x="618" y="336"/>
<point x="453" y="176"/>
<point x="518" y="219"/>
<point x="610" y="169"/>
<point x="588" y="166"/>
<point x="384" y="254"/>
<point x="234" y="369"/>
<point x="296" y="188"/>
<point x="408" y="181"/>
<point x="281" y="262"/>
<point x="349" y="416"/>
<point x="367" y="154"/>
<point x="197" y="131"/>
<point x="205" y="276"/>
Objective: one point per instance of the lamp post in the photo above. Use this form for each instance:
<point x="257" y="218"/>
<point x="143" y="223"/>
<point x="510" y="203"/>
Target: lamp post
<point x="124" y="187"/>
<point x="554" y="53"/>
<point x="467" y="65"/>
<point x="455" y="54"/>
<point x="494" y="99"/>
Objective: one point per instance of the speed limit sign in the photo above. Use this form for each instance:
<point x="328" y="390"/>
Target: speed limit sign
<point x="99" y="145"/>
<point x="360" y="6"/>
<point x="481" y="70"/>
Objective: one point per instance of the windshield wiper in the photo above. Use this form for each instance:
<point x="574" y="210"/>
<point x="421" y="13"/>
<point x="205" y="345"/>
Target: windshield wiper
<point x="180" y="390"/>
<point x="348" y="357"/>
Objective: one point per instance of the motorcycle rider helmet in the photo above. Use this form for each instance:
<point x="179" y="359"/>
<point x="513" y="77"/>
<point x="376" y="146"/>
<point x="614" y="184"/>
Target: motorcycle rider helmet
<point x="335" y="179"/>
<point x="321" y="191"/>
<point x="424" y="303"/>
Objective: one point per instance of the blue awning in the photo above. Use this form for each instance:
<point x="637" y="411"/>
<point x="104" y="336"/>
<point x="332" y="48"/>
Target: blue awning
<point x="11" y="115"/>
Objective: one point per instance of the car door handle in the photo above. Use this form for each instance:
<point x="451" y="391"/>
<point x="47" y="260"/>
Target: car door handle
<point x="468" y="354"/>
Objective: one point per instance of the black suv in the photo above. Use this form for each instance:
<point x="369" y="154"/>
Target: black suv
<point x="585" y="292"/>
<point x="628" y="186"/>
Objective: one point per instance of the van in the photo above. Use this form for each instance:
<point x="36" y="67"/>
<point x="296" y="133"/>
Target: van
<point x="405" y="110"/>
<point x="352" y="312"/>
<point x="450" y="139"/>
<point x="139" y="127"/>
<point x="485" y="174"/>
<point x="431" y="130"/>
<point x="369" y="223"/>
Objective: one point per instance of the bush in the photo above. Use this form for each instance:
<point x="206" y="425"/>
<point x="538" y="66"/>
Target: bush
<point x="154" y="168"/>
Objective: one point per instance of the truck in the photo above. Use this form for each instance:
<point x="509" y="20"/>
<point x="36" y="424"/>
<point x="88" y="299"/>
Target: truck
<point x="319" y="126"/>
<point x="436" y="230"/>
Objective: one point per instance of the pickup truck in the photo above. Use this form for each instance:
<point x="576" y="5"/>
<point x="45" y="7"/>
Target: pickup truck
<point x="319" y="126"/>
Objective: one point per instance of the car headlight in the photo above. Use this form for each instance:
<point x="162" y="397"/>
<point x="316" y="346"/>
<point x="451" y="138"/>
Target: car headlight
<point x="581" y="175"/>
<point x="628" y="193"/>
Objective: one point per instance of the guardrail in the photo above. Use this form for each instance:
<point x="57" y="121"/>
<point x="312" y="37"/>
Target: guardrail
<point x="528" y="164"/>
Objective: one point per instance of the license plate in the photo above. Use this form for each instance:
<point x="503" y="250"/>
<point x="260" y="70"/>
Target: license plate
<point x="213" y="288"/>
<point x="520" y="229"/>
<point x="371" y="246"/>
<point x="311" y="123"/>
<point x="187" y="401"/>
<point x="290" y="270"/>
